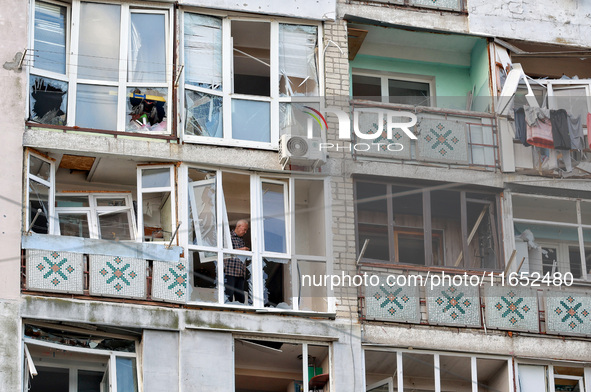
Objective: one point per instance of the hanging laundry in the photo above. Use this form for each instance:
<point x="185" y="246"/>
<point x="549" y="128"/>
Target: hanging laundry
<point x="560" y="136"/>
<point x="575" y="130"/>
<point x="540" y="134"/>
<point x="521" y="126"/>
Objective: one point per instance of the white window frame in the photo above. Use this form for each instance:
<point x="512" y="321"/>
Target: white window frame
<point x="385" y="76"/>
<point x="585" y="380"/>
<point x="563" y="263"/>
<point x="93" y="211"/>
<point x="398" y="378"/>
<point x="141" y="190"/>
<point x="48" y="183"/>
<point x="257" y="252"/>
<point x="111" y="362"/>
<point x="71" y="75"/>
<point x="227" y="82"/>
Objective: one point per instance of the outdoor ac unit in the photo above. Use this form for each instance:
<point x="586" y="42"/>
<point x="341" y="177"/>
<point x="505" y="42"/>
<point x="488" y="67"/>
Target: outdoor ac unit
<point x="300" y="151"/>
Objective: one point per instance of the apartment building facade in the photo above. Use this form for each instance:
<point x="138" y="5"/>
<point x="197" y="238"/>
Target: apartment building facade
<point x="141" y="133"/>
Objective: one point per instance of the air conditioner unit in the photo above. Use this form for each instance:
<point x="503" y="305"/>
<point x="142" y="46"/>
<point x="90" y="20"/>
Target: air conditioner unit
<point x="300" y="151"/>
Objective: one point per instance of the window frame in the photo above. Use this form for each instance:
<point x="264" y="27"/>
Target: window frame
<point x="122" y="84"/>
<point x="93" y="211"/>
<point x="50" y="184"/>
<point x="226" y="93"/>
<point x="257" y="252"/>
<point x="563" y="259"/>
<point x="385" y="76"/>
<point x="428" y="230"/>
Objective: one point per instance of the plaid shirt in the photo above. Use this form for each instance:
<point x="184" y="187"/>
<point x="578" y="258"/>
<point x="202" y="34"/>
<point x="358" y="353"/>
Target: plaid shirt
<point x="234" y="266"/>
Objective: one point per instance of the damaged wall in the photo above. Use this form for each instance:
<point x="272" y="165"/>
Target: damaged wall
<point x="564" y="22"/>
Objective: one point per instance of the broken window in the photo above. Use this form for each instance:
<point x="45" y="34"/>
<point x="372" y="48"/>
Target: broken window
<point x="389" y="370"/>
<point x="71" y="358"/>
<point x="95" y="215"/>
<point x="278" y="366"/>
<point x="270" y="63"/>
<point x="425" y="226"/>
<point x="555" y="377"/>
<point x="48" y="100"/>
<point x="40" y="184"/>
<point x="218" y="202"/>
<point x="156" y="202"/>
<point x="552" y="234"/>
<point x="118" y="69"/>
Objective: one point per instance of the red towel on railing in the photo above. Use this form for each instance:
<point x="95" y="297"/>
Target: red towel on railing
<point x="540" y="135"/>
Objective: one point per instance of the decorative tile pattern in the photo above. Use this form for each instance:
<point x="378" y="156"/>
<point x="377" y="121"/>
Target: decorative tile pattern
<point x="55" y="271"/>
<point x="511" y="308"/>
<point x="117" y="276"/>
<point x="453" y="305"/>
<point x="392" y="303"/>
<point x="568" y="313"/>
<point x="369" y="123"/>
<point x="170" y="281"/>
<point x="442" y="140"/>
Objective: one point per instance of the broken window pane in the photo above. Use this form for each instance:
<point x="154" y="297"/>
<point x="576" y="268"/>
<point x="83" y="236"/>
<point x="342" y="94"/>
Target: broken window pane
<point x="251" y="58"/>
<point x="298" y="73"/>
<point x="96" y="107"/>
<point x="50" y="37"/>
<point x="408" y="92"/>
<point x="312" y="291"/>
<point x="39" y="200"/>
<point x="277" y="281"/>
<point x="418" y="371"/>
<point x="146" y="110"/>
<point x="74" y="224"/>
<point x="238" y="288"/>
<point x="310" y="225"/>
<point x="205" y="284"/>
<point x="492" y="374"/>
<point x="114" y="226"/>
<point x="380" y="368"/>
<point x="447" y="226"/>
<point x="251" y="120"/>
<point x="156" y="178"/>
<point x="111" y="202"/>
<point x="202" y="197"/>
<point x="203" y="51"/>
<point x="296" y="119"/>
<point x="48" y="101"/>
<point x="204" y="114"/>
<point x="147" y="49"/>
<point x="571" y="98"/>
<point x="39" y="167"/>
<point x="273" y="203"/>
<point x="157" y="216"/>
<point x="98" y="48"/>
<point x="455" y="373"/>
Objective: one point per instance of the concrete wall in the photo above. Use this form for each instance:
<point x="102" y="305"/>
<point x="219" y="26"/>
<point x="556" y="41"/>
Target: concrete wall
<point x="308" y="9"/>
<point x="160" y="361"/>
<point x="563" y="22"/>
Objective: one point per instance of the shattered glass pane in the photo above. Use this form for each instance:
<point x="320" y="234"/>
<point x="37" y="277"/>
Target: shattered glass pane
<point x="39" y="167"/>
<point x="48" y="101"/>
<point x="203" y="51"/>
<point x="39" y="200"/>
<point x="146" y="110"/>
<point x="205" y="285"/>
<point x="98" y="48"/>
<point x="312" y="296"/>
<point x="74" y="224"/>
<point x="273" y="202"/>
<point x="114" y="226"/>
<point x="204" y="114"/>
<point x="251" y="120"/>
<point x="147" y="51"/>
<point x="50" y="37"/>
<point x="238" y="290"/>
<point x="297" y="119"/>
<point x="298" y="73"/>
<point x="96" y="107"/>
<point x="203" y="205"/>
<point x="277" y="278"/>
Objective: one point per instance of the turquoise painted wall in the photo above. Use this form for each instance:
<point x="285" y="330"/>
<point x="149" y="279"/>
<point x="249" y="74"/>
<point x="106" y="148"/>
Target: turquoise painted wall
<point x="479" y="71"/>
<point x="452" y="83"/>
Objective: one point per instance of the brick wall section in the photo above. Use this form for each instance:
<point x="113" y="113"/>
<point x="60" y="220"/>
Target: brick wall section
<point x="343" y="224"/>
